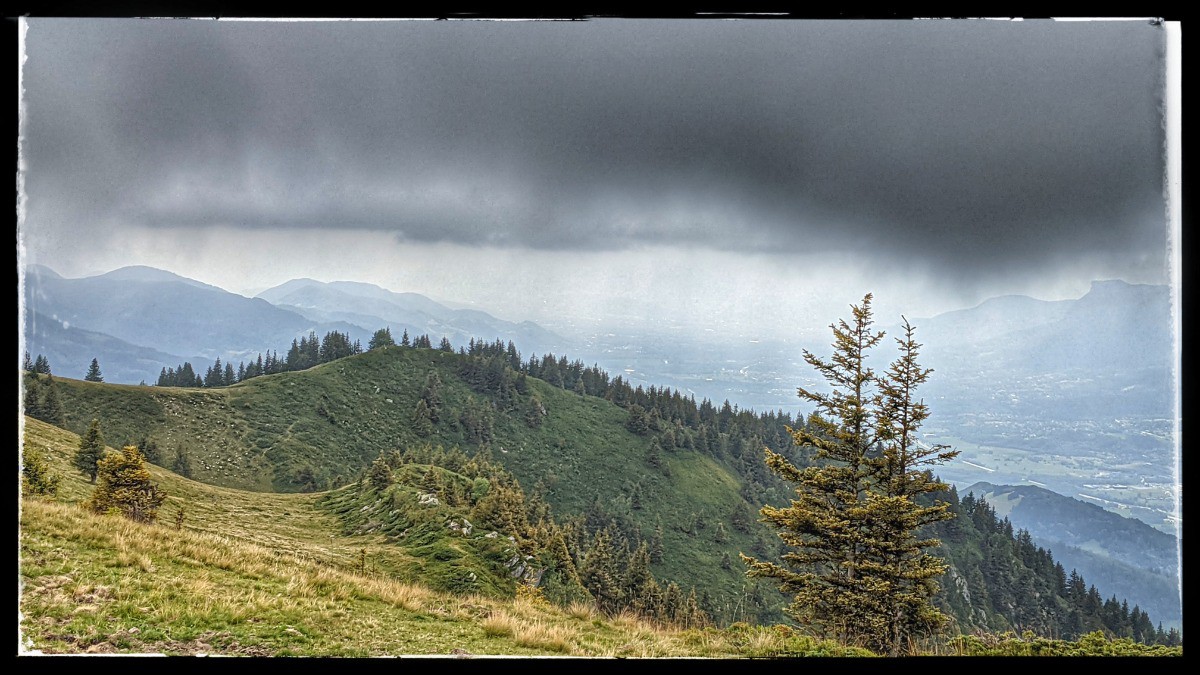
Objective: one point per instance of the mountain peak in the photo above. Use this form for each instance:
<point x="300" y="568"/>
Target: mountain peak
<point x="35" y="270"/>
<point x="1123" y="292"/>
<point x="1110" y="283"/>
<point x="153" y="274"/>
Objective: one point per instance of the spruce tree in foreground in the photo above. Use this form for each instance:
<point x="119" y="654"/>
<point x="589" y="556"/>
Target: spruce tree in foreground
<point x="856" y="567"/>
<point x="903" y="563"/>
<point x="91" y="450"/>
<point x="93" y="372"/>
<point x="826" y="524"/>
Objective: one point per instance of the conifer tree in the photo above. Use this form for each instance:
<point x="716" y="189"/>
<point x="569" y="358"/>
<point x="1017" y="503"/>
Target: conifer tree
<point x="825" y="526"/>
<point x="183" y="463"/>
<point x="900" y="557"/>
<point x="32" y="397"/>
<point x="27" y="363"/>
<point x="381" y="338"/>
<point x="432" y="397"/>
<point x="150" y="450"/>
<point x="379" y="477"/>
<point x="600" y="574"/>
<point x="91" y="450"/>
<point x="535" y="412"/>
<point x="41" y="365"/>
<point x="93" y="372"/>
<point x="656" y="542"/>
<point x="51" y="407"/>
<point x="422" y="424"/>
<point x="561" y="582"/>
<point x="36" y="476"/>
<point x="640" y="587"/>
<point x="654" y="455"/>
<point x="125" y="487"/>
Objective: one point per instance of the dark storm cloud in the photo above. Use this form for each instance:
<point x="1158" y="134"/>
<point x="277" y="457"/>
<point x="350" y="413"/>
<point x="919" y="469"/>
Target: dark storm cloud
<point x="981" y="146"/>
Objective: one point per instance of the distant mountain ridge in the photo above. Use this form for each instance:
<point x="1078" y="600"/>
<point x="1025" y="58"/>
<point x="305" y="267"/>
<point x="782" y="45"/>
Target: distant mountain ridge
<point x="70" y="350"/>
<point x="1122" y="555"/>
<point x="370" y="306"/>
<point x="137" y="320"/>
<point x="1113" y="323"/>
<point x="146" y="306"/>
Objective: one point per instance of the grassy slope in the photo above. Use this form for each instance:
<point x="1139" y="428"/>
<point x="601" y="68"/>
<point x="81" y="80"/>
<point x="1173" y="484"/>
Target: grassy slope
<point x="269" y="574"/>
<point x="336" y="417"/>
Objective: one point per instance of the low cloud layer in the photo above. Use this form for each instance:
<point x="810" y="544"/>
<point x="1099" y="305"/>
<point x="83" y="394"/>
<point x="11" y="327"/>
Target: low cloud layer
<point x="972" y="149"/>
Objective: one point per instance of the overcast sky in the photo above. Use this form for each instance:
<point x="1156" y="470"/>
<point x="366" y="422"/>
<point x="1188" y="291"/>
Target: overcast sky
<point x="757" y="172"/>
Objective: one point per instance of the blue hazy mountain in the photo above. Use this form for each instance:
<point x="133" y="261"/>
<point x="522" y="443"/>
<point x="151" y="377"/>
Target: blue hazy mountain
<point x="137" y="319"/>
<point x="1124" y="556"/>
<point x="1110" y="351"/>
<point x="179" y="318"/>
<point x="370" y="306"/>
<point x="70" y="350"/>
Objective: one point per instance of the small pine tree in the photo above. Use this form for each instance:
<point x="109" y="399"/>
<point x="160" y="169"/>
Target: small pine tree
<point x="739" y="519"/>
<point x="27" y="363"/>
<point x="379" y="477"/>
<point x="381" y="338"/>
<point x="41" y="365"/>
<point x="638" y="422"/>
<point x="90" y="452"/>
<point x="432" y="396"/>
<point x="656" y="543"/>
<point x="422" y="424"/>
<point x="150" y="450"/>
<point x="93" y="372"/>
<point x="51" y="407"/>
<point x="31" y="399"/>
<point x="535" y="412"/>
<point x="183" y="463"/>
<point x="36" y="476"/>
<point x="601" y="574"/>
<point x="125" y="487"/>
<point x="654" y="456"/>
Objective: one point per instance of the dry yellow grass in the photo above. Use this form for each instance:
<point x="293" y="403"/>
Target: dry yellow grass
<point x="584" y="611"/>
<point x="263" y="575"/>
<point x="541" y="634"/>
<point x="500" y="624"/>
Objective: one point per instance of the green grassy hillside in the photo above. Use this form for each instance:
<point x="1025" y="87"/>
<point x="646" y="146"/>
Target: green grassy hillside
<point x="262" y="574"/>
<point x="321" y="426"/>
<point x="696" y="480"/>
